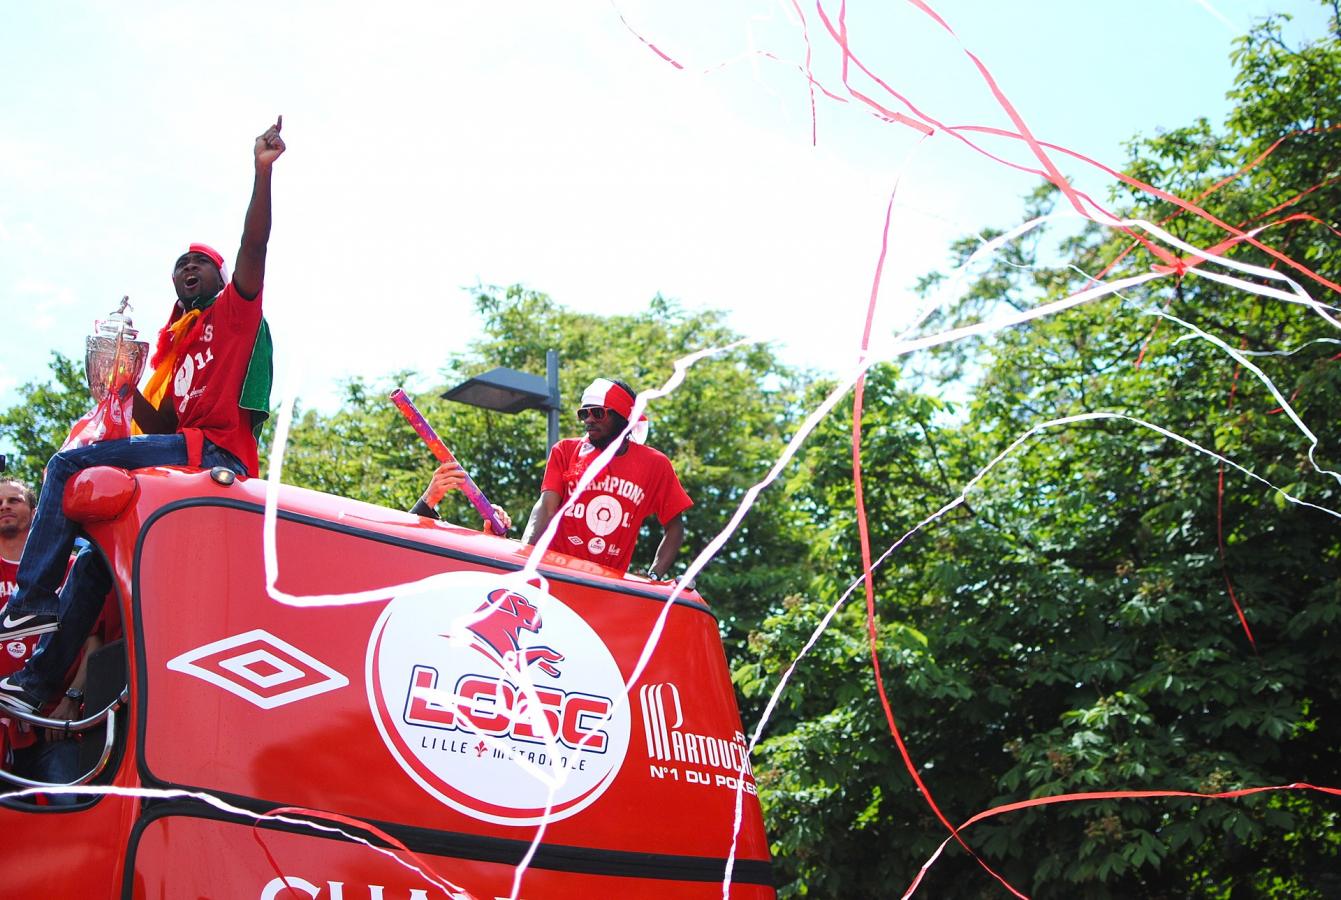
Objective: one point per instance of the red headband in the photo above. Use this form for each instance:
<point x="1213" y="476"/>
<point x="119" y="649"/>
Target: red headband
<point x="604" y="392"/>
<point x="215" y="257"/>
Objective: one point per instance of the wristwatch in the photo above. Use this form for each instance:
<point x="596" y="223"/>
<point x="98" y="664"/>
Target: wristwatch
<point x="75" y="694"/>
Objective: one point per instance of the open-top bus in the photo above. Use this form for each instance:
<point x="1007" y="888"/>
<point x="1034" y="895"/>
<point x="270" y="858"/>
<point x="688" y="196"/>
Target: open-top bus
<point x="410" y="746"/>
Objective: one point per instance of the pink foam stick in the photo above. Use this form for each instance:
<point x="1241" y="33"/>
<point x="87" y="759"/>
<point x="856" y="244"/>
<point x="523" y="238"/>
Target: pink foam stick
<point x="439" y="449"/>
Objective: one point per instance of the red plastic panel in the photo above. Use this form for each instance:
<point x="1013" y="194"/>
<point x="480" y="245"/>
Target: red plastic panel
<point x="258" y="699"/>
<point x="65" y="854"/>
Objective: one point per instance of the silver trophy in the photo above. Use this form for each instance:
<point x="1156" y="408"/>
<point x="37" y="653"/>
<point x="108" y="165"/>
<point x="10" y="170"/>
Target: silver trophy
<point x="112" y="356"/>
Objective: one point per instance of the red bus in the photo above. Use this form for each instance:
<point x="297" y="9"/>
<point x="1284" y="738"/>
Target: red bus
<point x="424" y="742"/>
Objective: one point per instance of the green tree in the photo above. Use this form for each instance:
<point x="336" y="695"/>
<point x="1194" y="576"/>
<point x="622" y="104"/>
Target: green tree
<point x="1070" y="628"/>
<point x="722" y="428"/>
<point x="35" y="428"/>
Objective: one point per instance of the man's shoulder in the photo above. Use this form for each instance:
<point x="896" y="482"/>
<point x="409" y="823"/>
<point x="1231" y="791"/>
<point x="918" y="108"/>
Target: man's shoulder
<point x="561" y="453"/>
<point x="230" y="299"/>
<point x="648" y="455"/>
<point x="566" y="447"/>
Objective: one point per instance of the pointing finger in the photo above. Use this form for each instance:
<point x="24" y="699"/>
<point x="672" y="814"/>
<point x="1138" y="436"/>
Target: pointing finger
<point x="279" y="123"/>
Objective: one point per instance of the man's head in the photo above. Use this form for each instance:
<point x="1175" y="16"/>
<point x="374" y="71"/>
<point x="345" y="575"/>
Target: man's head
<point x="17" y="501"/>
<point x="199" y="274"/>
<point x="605" y="409"/>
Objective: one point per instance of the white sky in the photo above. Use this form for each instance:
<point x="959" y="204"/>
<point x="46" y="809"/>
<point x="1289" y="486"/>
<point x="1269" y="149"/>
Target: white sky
<point x="433" y="146"/>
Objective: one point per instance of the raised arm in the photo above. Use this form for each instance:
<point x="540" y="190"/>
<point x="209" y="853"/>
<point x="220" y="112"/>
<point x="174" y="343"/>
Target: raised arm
<point x="250" y="273"/>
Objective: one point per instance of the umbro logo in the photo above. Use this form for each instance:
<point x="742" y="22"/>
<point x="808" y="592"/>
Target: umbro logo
<point x="260" y="668"/>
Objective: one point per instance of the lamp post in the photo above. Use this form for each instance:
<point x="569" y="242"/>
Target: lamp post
<point x="510" y="391"/>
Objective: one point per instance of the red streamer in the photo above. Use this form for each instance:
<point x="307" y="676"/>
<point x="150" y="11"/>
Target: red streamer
<point x="810" y="77"/>
<point x="448" y="889"/>
<point x="651" y="46"/>
<point x="1119" y="795"/>
<point x="868" y="581"/>
<point x="1039" y="149"/>
<point x="1220" y="529"/>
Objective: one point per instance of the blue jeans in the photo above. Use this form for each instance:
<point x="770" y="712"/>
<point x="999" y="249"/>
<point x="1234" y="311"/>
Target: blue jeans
<point x="52" y="537"/>
<point x="81" y="602"/>
<point x="55" y="762"/>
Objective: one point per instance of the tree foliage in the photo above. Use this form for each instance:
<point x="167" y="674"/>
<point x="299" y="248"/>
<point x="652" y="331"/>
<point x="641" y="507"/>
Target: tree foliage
<point x="36" y="428"/>
<point x="722" y="428"/>
<point x="1069" y="628"/>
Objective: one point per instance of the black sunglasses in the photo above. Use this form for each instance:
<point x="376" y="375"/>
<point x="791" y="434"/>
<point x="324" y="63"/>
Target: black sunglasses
<point x="595" y="413"/>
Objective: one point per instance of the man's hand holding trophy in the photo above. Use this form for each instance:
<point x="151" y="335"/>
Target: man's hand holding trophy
<point x="113" y="363"/>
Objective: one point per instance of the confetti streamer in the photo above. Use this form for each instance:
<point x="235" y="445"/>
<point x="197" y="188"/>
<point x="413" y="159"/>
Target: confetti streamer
<point x="1112" y="795"/>
<point x="296" y="817"/>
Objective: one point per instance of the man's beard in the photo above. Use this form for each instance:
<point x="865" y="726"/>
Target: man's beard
<point x="620" y="423"/>
<point x="9" y="531"/>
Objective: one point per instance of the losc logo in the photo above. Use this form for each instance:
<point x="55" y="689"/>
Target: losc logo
<point x="502" y="619"/>
<point x="489" y="692"/>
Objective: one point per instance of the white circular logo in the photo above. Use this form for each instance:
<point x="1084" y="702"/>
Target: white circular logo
<point x="604" y="514"/>
<point x="16" y="649"/>
<point x="489" y="692"/>
<point x="181" y="385"/>
<point x="596" y="546"/>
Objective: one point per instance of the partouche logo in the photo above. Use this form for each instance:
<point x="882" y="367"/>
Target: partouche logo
<point x="701" y="758"/>
<point x="483" y="682"/>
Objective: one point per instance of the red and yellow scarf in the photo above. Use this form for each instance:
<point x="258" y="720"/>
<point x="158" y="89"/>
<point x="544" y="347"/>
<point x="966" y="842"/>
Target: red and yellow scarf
<point x="172" y="341"/>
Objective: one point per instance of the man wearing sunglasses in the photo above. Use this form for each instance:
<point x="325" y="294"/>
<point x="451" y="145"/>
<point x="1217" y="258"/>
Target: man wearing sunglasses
<point x="601" y="524"/>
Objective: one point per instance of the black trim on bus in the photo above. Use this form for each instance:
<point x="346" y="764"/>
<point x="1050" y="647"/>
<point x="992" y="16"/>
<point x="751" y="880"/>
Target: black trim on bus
<point x="477" y="848"/>
<point x="631" y="589"/>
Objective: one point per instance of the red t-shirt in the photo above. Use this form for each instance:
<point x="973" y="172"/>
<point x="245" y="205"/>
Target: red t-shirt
<point x="603" y="524"/>
<point x="208" y="381"/>
<point x="16" y="651"/>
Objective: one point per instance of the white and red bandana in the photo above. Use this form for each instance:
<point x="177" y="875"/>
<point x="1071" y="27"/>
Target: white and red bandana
<point x="215" y="256"/>
<point x="604" y="392"/>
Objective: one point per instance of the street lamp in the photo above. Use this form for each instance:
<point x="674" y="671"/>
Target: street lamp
<point x="510" y="391"/>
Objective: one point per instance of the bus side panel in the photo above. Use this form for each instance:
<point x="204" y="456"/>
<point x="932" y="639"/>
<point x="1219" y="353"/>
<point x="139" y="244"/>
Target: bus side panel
<point x="182" y="856"/>
<point x="74" y="853"/>
<point x="262" y="700"/>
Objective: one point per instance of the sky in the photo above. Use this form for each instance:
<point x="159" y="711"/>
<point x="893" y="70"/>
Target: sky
<point x="437" y="146"/>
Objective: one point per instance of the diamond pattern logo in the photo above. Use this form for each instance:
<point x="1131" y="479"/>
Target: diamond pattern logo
<point x="260" y="668"/>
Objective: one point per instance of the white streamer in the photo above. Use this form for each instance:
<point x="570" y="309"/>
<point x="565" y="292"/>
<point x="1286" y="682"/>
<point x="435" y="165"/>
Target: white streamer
<point x="453" y="891"/>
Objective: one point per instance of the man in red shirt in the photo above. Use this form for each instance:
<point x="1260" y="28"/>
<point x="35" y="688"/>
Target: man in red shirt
<point x="602" y="524"/>
<point x="16" y="517"/>
<point x="190" y="415"/>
